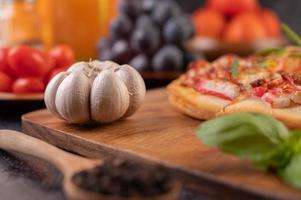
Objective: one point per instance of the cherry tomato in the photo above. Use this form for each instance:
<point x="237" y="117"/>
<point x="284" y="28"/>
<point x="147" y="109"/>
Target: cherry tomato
<point x="5" y="82"/>
<point x="27" y="61"/>
<point x="271" y="22"/>
<point x="28" y="85"/>
<point x="63" y="56"/>
<point x="246" y="27"/>
<point x="52" y="73"/>
<point x="48" y="59"/>
<point x="56" y="71"/>
<point x="4" y="66"/>
<point x="233" y="7"/>
<point x="234" y="32"/>
<point x="208" y="23"/>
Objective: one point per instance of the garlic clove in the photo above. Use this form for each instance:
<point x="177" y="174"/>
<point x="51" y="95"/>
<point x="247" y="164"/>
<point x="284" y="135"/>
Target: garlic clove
<point x="50" y="92"/>
<point x="109" y="97"/>
<point x="73" y="98"/>
<point x="79" y="66"/>
<point x="90" y="69"/>
<point x="97" y="64"/>
<point x="110" y="65"/>
<point x="135" y="85"/>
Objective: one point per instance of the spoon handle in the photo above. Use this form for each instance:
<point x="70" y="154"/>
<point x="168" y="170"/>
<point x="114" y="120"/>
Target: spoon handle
<point x="21" y="143"/>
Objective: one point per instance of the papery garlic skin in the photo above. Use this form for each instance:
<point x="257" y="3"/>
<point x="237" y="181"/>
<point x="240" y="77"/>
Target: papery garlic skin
<point x="135" y="86"/>
<point x="108" y="105"/>
<point x="95" y="91"/>
<point x="73" y="98"/>
<point x="110" y="65"/>
<point x="51" y="91"/>
<point x="79" y="66"/>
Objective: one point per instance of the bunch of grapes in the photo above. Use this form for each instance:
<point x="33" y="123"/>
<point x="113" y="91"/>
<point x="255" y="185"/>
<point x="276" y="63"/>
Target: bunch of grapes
<point x="149" y="35"/>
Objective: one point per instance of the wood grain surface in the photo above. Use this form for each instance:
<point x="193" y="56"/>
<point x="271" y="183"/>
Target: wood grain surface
<point x="157" y="133"/>
<point x="6" y="96"/>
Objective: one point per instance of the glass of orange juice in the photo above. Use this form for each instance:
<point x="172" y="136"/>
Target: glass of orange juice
<point x="77" y="23"/>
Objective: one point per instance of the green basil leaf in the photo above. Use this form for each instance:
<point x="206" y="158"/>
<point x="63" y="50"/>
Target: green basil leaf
<point x="292" y="172"/>
<point x="292" y="35"/>
<point x="264" y="52"/>
<point x="294" y="141"/>
<point x="234" y="68"/>
<point x="252" y="136"/>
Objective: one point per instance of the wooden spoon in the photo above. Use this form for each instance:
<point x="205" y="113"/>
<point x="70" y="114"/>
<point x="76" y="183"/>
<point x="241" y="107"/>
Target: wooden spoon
<point x="69" y="164"/>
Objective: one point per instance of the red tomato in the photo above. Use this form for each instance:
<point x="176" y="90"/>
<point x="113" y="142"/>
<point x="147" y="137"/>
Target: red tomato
<point x="208" y="23"/>
<point x="27" y="61"/>
<point x="234" y="32"/>
<point x="259" y="91"/>
<point x="52" y="73"/>
<point x="56" y="71"/>
<point x="5" y="82"/>
<point x="199" y="87"/>
<point x="28" y="85"/>
<point x="233" y="7"/>
<point x="271" y="23"/>
<point x="246" y="27"/>
<point x="4" y="66"/>
<point x="63" y="56"/>
<point x="48" y="59"/>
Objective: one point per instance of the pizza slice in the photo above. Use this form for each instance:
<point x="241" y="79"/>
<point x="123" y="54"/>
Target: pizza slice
<point x="269" y="84"/>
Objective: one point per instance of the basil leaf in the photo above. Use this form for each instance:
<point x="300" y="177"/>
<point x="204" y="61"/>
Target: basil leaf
<point x="264" y="52"/>
<point x="292" y="172"/>
<point x="234" y="68"/>
<point x="257" y="137"/>
<point x="294" y="141"/>
<point x="292" y="35"/>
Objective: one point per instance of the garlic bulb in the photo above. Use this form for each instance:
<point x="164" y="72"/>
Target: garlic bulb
<point x="95" y="91"/>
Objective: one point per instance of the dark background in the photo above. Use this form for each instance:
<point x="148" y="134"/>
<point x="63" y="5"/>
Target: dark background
<point x="289" y="11"/>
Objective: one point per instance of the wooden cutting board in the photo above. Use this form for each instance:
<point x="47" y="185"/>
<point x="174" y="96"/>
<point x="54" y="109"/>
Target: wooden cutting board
<point x="157" y="133"/>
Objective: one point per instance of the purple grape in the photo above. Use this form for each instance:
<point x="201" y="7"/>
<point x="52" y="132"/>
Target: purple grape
<point x="187" y="25"/>
<point x="177" y="30"/>
<point x="104" y="55"/>
<point x="144" y="21"/>
<point x="104" y="46"/>
<point x="174" y="31"/>
<point x="104" y="43"/>
<point x="165" y="10"/>
<point x="131" y="8"/>
<point x="140" y="62"/>
<point x="121" y="27"/>
<point x="190" y="29"/>
<point x="121" y="52"/>
<point x="148" y="5"/>
<point x="146" y="39"/>
<point x="168" y="58"/>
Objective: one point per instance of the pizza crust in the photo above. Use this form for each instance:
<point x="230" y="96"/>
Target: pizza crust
<point x="192" y="103"/>
<point x="291" y="117"/>
<point x="248" y="105"/>
<point x="205" y="107"/>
